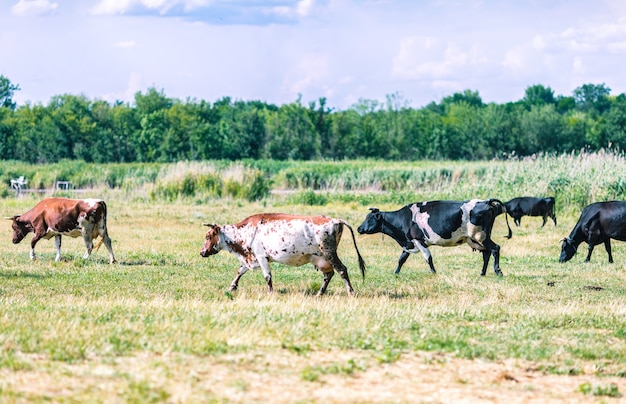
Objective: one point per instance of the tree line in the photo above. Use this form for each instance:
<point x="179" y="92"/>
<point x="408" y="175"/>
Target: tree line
<point x="157" y="128"/>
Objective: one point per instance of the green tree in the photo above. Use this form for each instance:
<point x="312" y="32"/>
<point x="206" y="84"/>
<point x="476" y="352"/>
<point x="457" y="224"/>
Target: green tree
<point x="7" y="90"/>
<point x="291" y="134"/>
<point x="538" y="95"/>
<point x="465" y="131"/>
<point x="72" y="115"/>
<point x="501" y="127"/>
<point x="541" y="130"/>
<point x="471" y="98"/>
<point x="592" y="97"/>
<point x="614" y="131"/>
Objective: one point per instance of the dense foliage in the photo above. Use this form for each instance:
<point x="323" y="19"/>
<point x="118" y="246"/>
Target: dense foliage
<point x="156" y="128"/>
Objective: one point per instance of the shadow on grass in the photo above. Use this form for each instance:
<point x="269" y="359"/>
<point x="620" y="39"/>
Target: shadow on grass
<point x="22" y="274"/>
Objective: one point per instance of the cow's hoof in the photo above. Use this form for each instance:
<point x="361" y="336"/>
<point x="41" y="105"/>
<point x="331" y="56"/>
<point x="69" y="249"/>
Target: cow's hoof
<point x="232" y="288"/>
<point x="499" y="273"/>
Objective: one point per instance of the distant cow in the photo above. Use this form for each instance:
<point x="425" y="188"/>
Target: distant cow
<point x="529" y="206"/>
<point x="56" y="217"/>
<point x="444" y="223"/>
<point x="598" y="223"/>
<point x="286" y="239"/>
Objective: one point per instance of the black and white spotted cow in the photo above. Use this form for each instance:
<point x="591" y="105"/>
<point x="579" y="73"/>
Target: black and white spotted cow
<point x="419" y="225"/>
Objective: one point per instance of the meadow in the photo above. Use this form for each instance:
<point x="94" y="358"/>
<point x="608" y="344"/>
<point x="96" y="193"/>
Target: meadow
<point x="160" y="325"/>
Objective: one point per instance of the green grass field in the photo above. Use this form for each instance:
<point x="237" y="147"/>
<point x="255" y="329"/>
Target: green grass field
<point x="160" y="326"/>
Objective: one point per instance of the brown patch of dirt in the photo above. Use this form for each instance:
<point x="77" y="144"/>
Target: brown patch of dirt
<point x="284" y="377"/>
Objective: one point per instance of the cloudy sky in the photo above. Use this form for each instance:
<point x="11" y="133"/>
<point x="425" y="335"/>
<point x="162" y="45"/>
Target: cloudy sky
<point x="276" y="50"/>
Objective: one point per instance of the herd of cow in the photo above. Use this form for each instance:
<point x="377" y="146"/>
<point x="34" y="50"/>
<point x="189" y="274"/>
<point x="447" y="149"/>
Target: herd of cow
<point x="297" y="240"/>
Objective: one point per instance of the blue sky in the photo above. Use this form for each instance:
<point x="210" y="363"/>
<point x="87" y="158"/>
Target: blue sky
<point x="276" y="50"/>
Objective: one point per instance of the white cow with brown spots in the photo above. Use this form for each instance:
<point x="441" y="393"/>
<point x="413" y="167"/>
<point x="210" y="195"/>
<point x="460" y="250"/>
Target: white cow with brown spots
<point x="56" y="217"/>
<point x="287" y="239"/>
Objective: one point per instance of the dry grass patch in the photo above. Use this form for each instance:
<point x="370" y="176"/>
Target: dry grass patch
<point x="283" y="376"/>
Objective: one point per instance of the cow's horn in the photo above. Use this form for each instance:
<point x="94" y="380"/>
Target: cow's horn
<point x="563" y="239"/>
<point x="208" y="224"/>
<point x="9" y="217"/>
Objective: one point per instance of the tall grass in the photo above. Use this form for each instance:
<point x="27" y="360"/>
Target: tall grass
<point x="575" y="179"/>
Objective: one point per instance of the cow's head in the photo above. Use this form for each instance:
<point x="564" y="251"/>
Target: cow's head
<point x="568" y="249"/>
<point x="211" y="244"/>
<point x="20" y="228"/>
<point x="373" y="223"/>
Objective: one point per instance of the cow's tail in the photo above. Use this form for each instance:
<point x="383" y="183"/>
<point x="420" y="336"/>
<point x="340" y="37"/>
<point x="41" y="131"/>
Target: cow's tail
<point x="358" y="253"/>
<point x="496" y="203"/>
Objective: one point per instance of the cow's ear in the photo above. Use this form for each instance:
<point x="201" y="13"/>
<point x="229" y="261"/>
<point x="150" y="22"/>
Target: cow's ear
<point x="212" y="226"/>
<point x="374" y="210"/>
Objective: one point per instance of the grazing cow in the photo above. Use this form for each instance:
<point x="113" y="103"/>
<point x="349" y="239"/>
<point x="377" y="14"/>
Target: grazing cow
<point x="56" y="217"/>
<point x="444" y="223"/>
<point x="529" y="206"/>
<point x="598" y="223"/>
<point x="286" y="239"/>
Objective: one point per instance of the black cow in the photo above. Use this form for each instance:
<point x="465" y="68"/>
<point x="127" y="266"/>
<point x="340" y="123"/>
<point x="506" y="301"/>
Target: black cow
<point x="529" y="206"/>
<point x="444" y="223"/>
<point x="598" y="223"/>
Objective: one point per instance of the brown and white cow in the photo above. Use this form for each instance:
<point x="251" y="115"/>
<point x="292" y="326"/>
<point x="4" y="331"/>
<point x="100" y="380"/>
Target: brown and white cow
<point x="56" y="217"/>
<point x="287" y="239"/>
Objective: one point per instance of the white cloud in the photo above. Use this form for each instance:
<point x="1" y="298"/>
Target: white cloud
<point x="108" y="7"/>
<point x="302" y="9"/>
<point x="428" y="58"/>
<point x="311" y="71"/>
<point x="112" y="7"/>
<point x="578" y="67"/>
<point x="589" y="38"/>
<point x="27" y="8"/>
<point x="515" y="59"/>
<point x="125" y="44"/>
<point x="134" y="85"/>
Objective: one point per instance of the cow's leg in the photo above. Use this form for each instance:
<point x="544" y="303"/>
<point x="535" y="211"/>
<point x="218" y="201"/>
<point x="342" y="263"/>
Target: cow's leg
<point x="328" y="275"/>
<point x="33" y="243"/>
<point x="107" y="242"/>
<point x="88" y="244"/>
<point x="267" y="274"/>
<point x="491" y="248"/>
<point x="57" y="244"/>
<point x="553" y="216"/>
<point x="590" y="250"/>
<point x="343" y="272"/>
<point x="403" y="257"/>
<point x="235" y="283"/>
<point x="329" y="263"/>
<point x="426" y="253"/>
<point x="545" y="219"/>
<point x="607" y="246"/>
